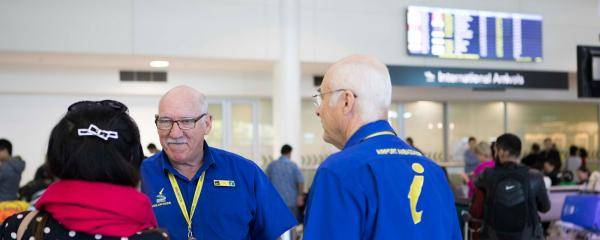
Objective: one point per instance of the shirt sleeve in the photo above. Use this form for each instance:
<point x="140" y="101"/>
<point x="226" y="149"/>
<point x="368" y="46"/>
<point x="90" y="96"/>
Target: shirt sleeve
<point x="333" y="211"/>
<point x="272" y="217"/>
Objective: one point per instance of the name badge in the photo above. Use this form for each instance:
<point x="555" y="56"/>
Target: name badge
<point x="224" y="183"/>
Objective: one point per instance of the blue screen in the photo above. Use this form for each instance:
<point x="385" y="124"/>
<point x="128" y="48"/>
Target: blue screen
<point x="470" y="34"/>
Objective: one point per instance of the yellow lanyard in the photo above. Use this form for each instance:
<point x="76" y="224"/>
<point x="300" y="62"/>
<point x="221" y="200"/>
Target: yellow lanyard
<point x="378" y="134"/>
<point x="187" y="216"/>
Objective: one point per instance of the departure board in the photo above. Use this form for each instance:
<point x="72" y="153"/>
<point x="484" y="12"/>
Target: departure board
<point x="470" y="34"/>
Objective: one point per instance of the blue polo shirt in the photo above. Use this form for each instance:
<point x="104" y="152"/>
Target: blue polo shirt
<point x="247" y="207"/>
<point x="378" y="187"/>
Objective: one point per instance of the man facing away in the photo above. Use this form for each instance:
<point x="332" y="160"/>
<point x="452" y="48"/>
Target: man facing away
<point x="287" y="179"/>
<point x="514" y="194"/>
<point x="377" y="186"/>
<point x="200" y="192"/>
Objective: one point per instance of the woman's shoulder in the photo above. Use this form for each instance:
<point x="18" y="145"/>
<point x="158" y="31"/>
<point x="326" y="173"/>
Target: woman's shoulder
<point x="11" y="224"/>
<point x="43" y="224"/>
<point x="151" y="234"/>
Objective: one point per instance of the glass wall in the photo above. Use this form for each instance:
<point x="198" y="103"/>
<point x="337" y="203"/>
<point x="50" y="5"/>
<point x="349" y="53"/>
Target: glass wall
<point x="314" y="148"/>
<point x="265" y="126"/>
<point x="423" y="122"/>
<point x="246" y="127"/>
<point x="215" y="137"/>
<point x="242" y="129"/>
<point x="565" y="123"/>
<point x="482" y="120"/>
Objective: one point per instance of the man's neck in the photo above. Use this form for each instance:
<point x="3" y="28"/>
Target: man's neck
<point x="353" y="127"/>
<point x="188" y="169"/>
<point x="509" y="160"/>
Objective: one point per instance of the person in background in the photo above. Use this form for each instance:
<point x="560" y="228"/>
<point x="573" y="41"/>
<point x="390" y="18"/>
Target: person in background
<point x="152" y="149"/>
<point x="11" y="169"/>
<point x="583" y="175"/>
<point x="573" y="162"/>
<point x="411" y="142"/>
<point x="95" y="153"/>
<point x="593" y="182"/>
<point x="583" y="154"/>
<point x="471" y="159"/>
<point x="551" y="171"/>
<point x="534" y="159"/>
<point x="34" y="188"/>
<point x="551" y="154"/>
<point x="484" y="154"/>
<point x="288" y="180"/>
<point x="514" y="194"/>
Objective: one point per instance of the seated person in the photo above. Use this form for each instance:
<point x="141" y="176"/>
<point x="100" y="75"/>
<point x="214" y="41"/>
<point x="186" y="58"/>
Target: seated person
<point x="583" y="174"/>
<point x="95" y="153"/>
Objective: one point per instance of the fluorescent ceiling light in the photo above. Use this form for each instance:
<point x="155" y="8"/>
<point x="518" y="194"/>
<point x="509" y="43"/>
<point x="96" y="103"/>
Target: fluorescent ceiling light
<point x="159" y="64"/>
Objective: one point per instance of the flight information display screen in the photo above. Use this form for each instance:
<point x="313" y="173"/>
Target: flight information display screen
<point x="470" y="34"/>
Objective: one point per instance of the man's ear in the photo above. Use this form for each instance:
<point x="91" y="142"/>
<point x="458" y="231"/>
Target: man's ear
<point x="349" y="102"/>
<point x="207" y="124"/>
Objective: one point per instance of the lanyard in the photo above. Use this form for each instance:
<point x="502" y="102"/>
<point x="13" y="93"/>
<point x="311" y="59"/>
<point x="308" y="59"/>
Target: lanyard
<point x="187" y="216"/>
<point x="378" y="134"/>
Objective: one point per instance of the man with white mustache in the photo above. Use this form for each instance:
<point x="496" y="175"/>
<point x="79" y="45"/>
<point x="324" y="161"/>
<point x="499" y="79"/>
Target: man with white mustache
<point x="200" y="192"/>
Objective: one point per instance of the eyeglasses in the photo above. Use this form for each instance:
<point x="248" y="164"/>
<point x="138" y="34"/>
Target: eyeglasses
<point x="318" y="98"/>
<point x="183" y="124"/>
<point x="86" y="104"/>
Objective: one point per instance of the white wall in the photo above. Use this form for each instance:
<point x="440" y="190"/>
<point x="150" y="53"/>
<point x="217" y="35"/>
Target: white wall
<point x="248" y="29"/>
<point x="30" y="120"/>
<point x="207" y="29"/>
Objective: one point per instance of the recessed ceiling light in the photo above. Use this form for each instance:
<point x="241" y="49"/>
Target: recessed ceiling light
<point x="159" y="64"/>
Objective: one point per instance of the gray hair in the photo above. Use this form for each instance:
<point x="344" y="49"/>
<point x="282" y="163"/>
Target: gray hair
<point x="368" y="79"/>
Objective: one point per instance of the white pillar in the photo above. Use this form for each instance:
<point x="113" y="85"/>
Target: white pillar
<point x="286" y="84"/>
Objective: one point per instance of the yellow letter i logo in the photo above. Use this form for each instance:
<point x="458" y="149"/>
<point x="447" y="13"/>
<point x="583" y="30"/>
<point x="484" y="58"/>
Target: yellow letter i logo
<point x="415" y="192"/>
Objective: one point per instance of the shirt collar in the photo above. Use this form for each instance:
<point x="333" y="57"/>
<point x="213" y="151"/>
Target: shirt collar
<point x="284" y="158"/>
<point x="368" y="129"/>
<point x="208" y="161"/>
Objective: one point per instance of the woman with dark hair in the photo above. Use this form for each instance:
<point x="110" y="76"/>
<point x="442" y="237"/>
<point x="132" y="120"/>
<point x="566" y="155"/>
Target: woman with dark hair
<point x="95" y="153"/>
<point x="583" y="154"/>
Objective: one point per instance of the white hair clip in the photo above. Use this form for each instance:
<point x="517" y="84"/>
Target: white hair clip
<point x="93" y="130"/>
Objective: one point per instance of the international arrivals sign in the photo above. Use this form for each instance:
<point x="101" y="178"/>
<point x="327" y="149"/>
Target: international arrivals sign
<point x="477" y="78"/>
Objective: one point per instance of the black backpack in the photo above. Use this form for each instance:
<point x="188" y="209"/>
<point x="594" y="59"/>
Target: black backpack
<point x="509" y="211"/>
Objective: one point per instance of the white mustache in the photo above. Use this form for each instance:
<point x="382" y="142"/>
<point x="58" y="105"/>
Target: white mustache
<point x="176" y="141"/>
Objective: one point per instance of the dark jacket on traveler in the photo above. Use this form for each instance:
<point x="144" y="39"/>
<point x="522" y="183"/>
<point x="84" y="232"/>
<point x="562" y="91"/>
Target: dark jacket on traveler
<point x="10" y="178"/>
<point x="509" y="176"/>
